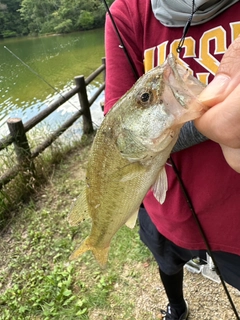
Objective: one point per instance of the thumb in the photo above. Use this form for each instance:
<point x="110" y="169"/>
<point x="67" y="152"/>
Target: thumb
<point x="227" y="77"/>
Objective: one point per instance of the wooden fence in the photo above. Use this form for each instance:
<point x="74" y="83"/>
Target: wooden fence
<point x="18" y="130"/>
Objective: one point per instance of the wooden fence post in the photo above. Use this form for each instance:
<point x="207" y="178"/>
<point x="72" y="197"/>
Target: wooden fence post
<point x="84" y="103"/>
<point x="21" y="145"/>
<point x="104" y="80"/>
<point x="104" y="72"/>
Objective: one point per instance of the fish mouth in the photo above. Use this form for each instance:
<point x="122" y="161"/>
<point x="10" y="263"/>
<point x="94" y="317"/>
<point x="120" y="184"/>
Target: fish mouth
<point x="184" y="88"/>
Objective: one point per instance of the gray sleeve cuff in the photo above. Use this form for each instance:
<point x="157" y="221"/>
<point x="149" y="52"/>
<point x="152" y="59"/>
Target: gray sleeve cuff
<point x="188" y="137"/>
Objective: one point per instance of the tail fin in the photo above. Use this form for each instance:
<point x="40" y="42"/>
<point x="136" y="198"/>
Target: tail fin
<point x="100" y="254"/>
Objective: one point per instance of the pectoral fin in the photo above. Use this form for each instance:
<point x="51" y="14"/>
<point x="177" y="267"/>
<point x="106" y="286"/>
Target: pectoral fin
<point x="160" y="186"/>
<point x="132" y="220"/>
<point x="79" y="211"/>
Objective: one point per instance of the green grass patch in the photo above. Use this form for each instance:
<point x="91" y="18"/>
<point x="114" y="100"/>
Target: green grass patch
<point x="38" y="281"/>
<point x="21" y="188"/>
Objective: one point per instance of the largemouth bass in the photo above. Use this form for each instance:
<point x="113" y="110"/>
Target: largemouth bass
<point x="130" y="150"/>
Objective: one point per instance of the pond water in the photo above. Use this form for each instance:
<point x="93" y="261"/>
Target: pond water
<point x="34" y="71"/>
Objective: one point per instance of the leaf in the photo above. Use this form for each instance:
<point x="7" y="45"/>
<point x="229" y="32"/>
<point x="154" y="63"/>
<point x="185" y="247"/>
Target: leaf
<point x="67" y="292"/>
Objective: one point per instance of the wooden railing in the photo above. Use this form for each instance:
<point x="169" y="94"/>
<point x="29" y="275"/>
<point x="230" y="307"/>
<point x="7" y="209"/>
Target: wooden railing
<point x="18" y="130"/>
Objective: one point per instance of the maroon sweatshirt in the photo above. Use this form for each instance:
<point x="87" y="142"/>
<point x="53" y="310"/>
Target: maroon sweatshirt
<point x="213" y="186"/>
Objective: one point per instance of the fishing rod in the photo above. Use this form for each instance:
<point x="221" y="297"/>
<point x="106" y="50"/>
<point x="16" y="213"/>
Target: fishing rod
<point x="180" y="180"/>
<point x="38" y="75"/>
<point x="44" y="80"/>
<point x="121" y="45"/>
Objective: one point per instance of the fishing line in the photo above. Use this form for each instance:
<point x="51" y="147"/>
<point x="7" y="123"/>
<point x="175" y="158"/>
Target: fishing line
<point x="122" y="46"/>
<point x="191" y="207"/>
<point x="186" y="28"/>
<point x="40" y="77"/>
<point x="184" y="190"/>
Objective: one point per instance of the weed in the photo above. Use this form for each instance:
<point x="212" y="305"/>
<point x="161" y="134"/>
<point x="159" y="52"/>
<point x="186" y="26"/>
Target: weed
<point x="26" y="183"/>
<point x="37" y="280"/>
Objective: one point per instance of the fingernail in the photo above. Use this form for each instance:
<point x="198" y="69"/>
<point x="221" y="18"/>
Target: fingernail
<point x="215" y="88"/>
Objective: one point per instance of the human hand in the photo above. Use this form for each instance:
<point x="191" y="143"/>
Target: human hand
<point x="221" y="123"/>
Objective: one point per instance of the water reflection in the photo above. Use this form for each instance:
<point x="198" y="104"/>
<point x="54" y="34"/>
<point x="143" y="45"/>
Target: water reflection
<point x="58" y="59"/>
<point x="59" y="116"/>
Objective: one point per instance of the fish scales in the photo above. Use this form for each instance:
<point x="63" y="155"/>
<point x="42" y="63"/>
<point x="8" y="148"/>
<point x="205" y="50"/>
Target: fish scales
<point x="130" y="150"/>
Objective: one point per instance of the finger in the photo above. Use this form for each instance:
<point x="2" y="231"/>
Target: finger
<point x="227" y="76"/>
<point x="221" y="123"/>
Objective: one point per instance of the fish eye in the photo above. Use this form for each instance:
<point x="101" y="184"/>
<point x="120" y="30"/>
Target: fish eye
<point x="145" y="97"/>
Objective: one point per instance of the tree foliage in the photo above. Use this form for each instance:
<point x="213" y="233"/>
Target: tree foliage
<point x="21" y="17"/>
<point x="10" y="21"/>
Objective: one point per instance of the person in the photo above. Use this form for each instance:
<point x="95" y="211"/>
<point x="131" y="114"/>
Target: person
<point x="203" y="35"/>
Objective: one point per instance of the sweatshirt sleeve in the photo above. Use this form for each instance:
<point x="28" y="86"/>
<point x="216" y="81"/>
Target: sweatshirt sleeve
<point x="188" y="137"/>
<point x="119" y="75"/>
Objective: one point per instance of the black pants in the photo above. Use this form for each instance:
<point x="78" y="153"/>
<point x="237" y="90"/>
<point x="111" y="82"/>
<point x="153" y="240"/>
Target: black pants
<point x="171" y="258"/>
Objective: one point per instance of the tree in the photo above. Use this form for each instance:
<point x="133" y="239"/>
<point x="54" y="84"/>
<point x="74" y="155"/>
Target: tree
<point x="38" y="14"/>
<point x="64" y="27"/>
<point x="10" y="20"/>
<point x="86" y="20"/>
<point x="18" y="17"/>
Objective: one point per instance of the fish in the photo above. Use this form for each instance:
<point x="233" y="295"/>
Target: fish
<point x="130" y="150"/>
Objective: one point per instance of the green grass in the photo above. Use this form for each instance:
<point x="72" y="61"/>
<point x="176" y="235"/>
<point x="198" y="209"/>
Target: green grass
<point x="25" y="184"/>
<point x="37" y="279"/>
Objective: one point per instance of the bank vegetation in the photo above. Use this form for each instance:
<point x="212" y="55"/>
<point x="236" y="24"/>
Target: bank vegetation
<point x="31" y="17"/>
